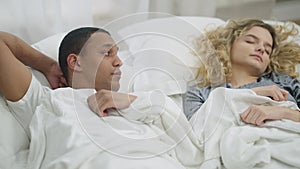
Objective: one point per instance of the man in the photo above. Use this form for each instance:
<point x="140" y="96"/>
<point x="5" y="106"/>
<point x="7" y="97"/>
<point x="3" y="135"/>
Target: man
<point x="65" y="133"/>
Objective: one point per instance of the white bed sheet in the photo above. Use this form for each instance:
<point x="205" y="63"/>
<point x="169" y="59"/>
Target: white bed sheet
<point x="229" y="141"/>
<point x="72" y="136"/>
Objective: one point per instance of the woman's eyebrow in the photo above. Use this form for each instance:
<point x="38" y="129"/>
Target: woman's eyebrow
<point x="256" y="38"/>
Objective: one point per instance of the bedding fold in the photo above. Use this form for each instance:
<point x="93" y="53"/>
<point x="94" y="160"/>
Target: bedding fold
<point x="67" y="134"/>
<point x="233" y="144"/>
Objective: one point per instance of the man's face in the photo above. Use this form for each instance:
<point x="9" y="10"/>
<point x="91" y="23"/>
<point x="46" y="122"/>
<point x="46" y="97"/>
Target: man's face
<point x="100" y="63"/>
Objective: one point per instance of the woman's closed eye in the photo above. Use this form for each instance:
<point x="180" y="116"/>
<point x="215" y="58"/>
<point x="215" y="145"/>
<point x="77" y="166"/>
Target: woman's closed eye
<point x="268" y="50"/>
<point x="250" y="41"/>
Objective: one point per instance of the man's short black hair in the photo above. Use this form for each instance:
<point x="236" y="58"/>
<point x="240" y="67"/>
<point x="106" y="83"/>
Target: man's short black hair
<point x="72" y="43"/>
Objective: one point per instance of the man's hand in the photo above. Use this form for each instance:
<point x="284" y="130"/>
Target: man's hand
<point x="55" y="77"/>
<point x="273" y="91"/>
<point x="104" y="100"/>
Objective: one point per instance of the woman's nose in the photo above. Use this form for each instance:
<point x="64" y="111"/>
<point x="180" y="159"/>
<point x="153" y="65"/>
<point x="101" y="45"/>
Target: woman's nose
<point x="260" y="48"/>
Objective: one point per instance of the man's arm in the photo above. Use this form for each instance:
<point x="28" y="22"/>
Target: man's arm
<point x="103" y="100"/>
<point x="15" y="78"/>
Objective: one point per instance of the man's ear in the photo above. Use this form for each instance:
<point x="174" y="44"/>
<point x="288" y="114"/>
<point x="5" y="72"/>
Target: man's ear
<point x="73" y="62"/>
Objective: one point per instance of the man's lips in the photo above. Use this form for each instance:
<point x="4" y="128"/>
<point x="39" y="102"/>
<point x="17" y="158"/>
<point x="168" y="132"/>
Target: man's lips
<point x="117" y="74"/>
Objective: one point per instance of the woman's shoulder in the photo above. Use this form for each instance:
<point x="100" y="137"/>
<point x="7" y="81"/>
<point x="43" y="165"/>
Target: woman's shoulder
<point x="280" y="78"/>
<point x="197" y="88"/>
<point x="197" y="91"/>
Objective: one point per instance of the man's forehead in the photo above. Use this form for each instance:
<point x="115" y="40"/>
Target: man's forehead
<point x="102" y="39"/>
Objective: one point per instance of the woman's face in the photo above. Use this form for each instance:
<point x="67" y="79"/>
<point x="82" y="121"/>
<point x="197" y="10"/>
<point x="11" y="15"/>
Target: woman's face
<point x="251" y="51"/>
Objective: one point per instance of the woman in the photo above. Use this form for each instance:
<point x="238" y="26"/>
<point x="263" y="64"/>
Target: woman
<point x="249" y="54"/>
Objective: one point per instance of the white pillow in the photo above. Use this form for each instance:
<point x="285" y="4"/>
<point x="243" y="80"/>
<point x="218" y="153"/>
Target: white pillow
<point x="48" y="46"/>
<point x="162" y="52"/>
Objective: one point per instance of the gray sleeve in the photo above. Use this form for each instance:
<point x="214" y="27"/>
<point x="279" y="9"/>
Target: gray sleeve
<point x="192" y="101"/>
<point x="292" y="85"/>
<point x="296" y="90"/>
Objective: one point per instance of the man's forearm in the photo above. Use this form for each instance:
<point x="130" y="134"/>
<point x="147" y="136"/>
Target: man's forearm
<point x="25" y="53"/>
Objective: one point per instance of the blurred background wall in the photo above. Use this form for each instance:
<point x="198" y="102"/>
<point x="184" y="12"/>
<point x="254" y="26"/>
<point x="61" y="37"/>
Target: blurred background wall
<point x="47" y="17"/>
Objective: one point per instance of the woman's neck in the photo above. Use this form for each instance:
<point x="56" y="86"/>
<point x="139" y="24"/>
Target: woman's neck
<point x="242" y="78"/>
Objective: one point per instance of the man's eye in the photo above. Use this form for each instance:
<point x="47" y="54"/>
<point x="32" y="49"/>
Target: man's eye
<point x="268" y="52"/>
<point x="106" y="53"/>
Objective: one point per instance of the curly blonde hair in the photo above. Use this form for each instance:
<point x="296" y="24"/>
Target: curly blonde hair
<point x="213" y="48"/>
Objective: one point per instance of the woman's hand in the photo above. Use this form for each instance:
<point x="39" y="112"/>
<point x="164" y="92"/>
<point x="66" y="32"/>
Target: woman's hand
<point x="104" y="100"/>
<point x="273" y="92"/>
<point x="259" y="114"/>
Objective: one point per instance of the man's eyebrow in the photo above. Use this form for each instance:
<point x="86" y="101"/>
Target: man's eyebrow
<point x="255" y="37"/>
<point x="109" y="45"/>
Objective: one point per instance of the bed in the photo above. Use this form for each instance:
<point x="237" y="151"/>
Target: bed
<point x="158" y="56"/>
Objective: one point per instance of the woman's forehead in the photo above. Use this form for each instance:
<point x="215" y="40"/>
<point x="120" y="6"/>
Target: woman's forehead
<point x="259" y="32"/>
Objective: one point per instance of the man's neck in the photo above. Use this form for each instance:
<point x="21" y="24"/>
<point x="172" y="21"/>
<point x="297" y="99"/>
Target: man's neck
<point x="78" y="81"/>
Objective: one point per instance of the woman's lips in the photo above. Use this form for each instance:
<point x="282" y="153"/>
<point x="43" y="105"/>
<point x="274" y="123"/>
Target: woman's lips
<point x="259" y="57"/>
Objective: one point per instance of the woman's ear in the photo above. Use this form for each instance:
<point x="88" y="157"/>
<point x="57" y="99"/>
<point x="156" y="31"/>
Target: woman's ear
<point x="73" y="62"/>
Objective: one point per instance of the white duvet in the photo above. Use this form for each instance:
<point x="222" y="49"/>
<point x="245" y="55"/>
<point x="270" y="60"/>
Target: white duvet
<point x="230" y="143"/>
<point x="154" y="134"/>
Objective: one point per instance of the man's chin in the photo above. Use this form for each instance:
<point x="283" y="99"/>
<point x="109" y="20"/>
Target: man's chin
<point x="115" y="86"/>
